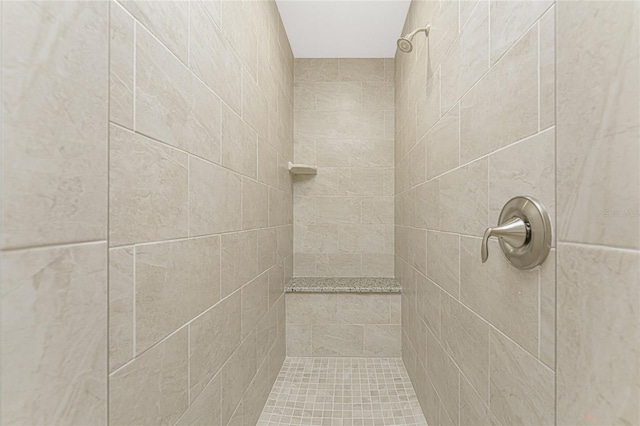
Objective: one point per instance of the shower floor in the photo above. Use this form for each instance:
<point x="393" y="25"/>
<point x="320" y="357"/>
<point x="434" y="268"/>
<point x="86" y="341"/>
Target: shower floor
<point x="342" y="391"/>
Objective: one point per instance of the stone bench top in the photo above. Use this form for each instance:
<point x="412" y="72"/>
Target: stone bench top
<point x="342" y="285"/>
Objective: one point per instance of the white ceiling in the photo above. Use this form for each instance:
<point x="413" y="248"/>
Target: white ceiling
<point x="343" y="28"/>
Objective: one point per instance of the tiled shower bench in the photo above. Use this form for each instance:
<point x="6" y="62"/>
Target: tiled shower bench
<point x="337" y="317"/>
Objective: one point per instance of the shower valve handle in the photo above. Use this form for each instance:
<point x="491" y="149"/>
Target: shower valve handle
<point x="523" y="231"/>
<point x="514" y="232"/>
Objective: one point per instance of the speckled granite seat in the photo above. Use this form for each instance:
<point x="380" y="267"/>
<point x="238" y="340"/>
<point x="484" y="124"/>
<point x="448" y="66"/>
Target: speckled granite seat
<point x="342" y="285"/>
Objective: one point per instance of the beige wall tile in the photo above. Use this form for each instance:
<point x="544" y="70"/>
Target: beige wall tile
<point x="239" y="260"/>
<point x="337" y="340"/>
<point x="239" y="145"/>
<point x="598" y="196"/>
<point x="316" y="238"/>
<point x="547" y="344"/>
<point x="54" y="167"/>
<point x="304" y="265"/>
<point x="377" y="265"/>
<point x="503" y="295"/>
<point x="213" y="337"/>
<point x="597" y="364"/>
<point x="147" y="189"/>
<point x="427" y="205"/>
<point x="255" y="199"/>
<point x="175" y="281"/>
<point x="299" y="340"/>
<point x="307" y="308"/>
<point x="443" y="261"/>
<point x="338" y="96"/>
<point x="503" y="107"/>
<point x="382" y="340"/>
<point x="526" y="168"/>
<point x="121" y="299"/>
<point x="363" y="70"/>
<point x="254" y="105"/>
<point x="267" y="249"/>
<point x="168" y="21"/>
<point x="267" y="163"/>
<point x="341" y="124"/>
<point x="444" y="30"/>
<point x="331" y="210"/>
<point x="121" y="71"/>
<point x="428" y="303"/>
<point x="473" y="411"/>
<point x="366" y="239"/>
<point x="206" y="407"/>
<point x="338" y="265"/>
<point x="256" y="396"/>
<point x="465" y="337"/>
<point x="428" y="107"/>
<point x="378" y="96"/>
<point x="510" y="20"/>
<point x="277" y="282"/>
<point x="548" y="69"/>
<point x="153" y="388"/>
<point x="463" y="199"/>
<point x="211" y="56"/>
<point x="443" y="144"/>
<point x="236" y="376"/>
<point x="363" y="309"/>
<point x="215" y="198"/>
<point x="522" y="388"/>
<point x="171" y="104"/>
<point x="54" y="319"/>
<point x="315" y="70"/>
<point x="255" y="303"/>
<point x="444" y="375"/>
<point x="468" y="58"/>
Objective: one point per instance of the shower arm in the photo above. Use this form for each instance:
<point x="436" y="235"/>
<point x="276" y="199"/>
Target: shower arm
<point x="424" y="29"/>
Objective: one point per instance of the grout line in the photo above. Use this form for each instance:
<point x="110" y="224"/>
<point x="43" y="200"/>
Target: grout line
<point x="135" y="72"/>
<point x="52" y="246"/>
<point x="108" y="174"/>
<point x="135" y="289"/>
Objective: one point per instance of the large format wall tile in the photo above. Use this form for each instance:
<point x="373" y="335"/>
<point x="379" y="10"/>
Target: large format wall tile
<point x="215" y="198"/>
<point x="54" y="326"/>
<point x="598" y="187"/>
<point x="121" y="66"/>
<point x="522" y="388"/>
<point x="121" y="300"/>
<point x="153" y="389"/>
<point x="510" y="20"/>
<point x="503" y="295"/>
<point x="468" y="58"/>
<point x="54" y="123"/>
<point x="172" y="105"/>
<point x="239" y="260"/>
<point x="147" y="189"/>
<point x="175" y="281"/>
<point x="598" y="309"/>
<point x="168" y="21"/>
<point x="214" y="336"/>
<point x="503" y="106"/>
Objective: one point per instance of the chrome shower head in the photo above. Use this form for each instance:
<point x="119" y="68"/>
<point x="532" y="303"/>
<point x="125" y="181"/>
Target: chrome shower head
<point x="405" y="43"/>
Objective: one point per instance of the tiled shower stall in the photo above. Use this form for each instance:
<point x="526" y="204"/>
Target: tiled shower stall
<point x="161" y="265"/>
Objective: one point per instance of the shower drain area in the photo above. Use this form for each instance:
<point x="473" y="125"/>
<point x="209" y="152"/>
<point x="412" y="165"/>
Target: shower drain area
<point x="342" y="391"/>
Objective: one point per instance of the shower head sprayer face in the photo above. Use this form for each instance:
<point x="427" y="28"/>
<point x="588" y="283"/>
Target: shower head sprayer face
<point x="405" y="45"/>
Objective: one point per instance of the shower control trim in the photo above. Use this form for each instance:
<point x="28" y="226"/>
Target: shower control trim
<point x="523" y="231"/>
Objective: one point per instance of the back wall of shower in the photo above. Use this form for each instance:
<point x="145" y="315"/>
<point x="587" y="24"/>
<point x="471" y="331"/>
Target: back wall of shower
<point x="343" y="124"/>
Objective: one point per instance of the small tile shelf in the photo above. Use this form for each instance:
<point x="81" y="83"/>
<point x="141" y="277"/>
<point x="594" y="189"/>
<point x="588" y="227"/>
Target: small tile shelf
<point x="302" y="169"/>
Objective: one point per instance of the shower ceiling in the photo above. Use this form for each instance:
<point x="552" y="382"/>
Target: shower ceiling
<point x="343" y="29"/>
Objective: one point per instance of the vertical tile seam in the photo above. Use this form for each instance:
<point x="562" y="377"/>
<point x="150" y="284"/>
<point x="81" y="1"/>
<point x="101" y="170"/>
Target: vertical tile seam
<point x="108" y="152"/>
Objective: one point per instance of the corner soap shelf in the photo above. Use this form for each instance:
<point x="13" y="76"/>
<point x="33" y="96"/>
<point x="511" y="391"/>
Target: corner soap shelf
<point x="302" y="169"/>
